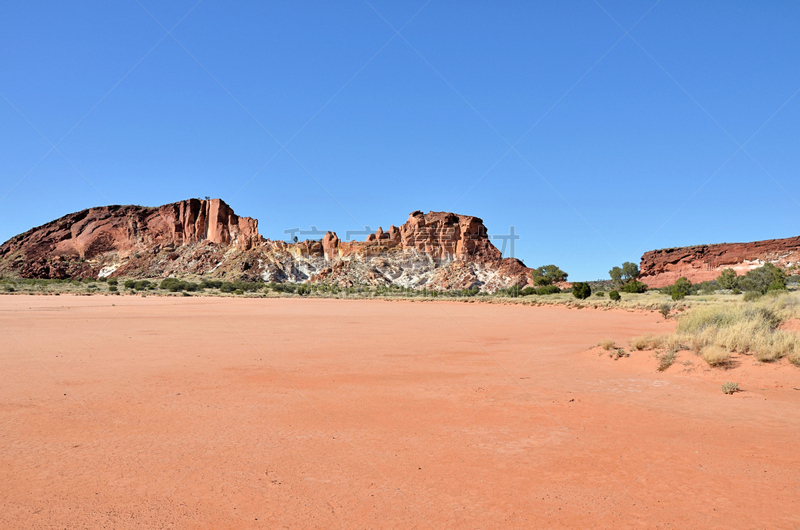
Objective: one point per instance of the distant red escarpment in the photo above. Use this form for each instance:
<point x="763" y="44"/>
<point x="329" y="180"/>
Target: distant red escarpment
<point x="704" y="262"/>
<point x="437" y="250"/>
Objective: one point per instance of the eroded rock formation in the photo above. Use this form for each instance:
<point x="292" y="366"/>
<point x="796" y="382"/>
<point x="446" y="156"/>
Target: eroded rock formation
<point x="437" y="250"/>
<point x="704" y="262"/>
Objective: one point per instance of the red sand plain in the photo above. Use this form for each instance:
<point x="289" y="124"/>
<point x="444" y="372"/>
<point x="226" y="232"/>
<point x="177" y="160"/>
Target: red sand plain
<point x="259" y="413"/>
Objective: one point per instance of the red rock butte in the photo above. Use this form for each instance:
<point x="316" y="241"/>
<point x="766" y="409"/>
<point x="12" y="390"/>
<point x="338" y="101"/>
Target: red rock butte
<point x="437" y="250"/>
<point x="704" y="262"/>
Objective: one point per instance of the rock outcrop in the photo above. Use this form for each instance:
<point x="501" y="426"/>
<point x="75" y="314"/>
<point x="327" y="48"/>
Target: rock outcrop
<point x="704" y="262"/>
<point x="437" y="250"/>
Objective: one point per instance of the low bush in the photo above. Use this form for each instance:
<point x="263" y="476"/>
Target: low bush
<point x="112" y="281"/>
<point x="581" y="290"/>
<point x="614" y="295"/>
<point x="681" y="288"/>
<point x="528" y="291"/>
<point x="619" y="352"/>
<point x="727" y="279"/>
<point x="751" y="296"/>
<point x="174" y="285"/>
<point x="729" y="387"/>
<point x="634" y="287"/>
<point x="548" y="289"/>
<point x="762" y="279"/>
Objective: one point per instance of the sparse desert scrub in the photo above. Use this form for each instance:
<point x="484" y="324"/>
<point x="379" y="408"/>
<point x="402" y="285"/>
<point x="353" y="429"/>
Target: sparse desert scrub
<point x="606" y="344"/>
<point x="665" y="360"/>
<point x="729" y="387"/>
<point x="748" y="327"/>
<point x="619" y="352"/>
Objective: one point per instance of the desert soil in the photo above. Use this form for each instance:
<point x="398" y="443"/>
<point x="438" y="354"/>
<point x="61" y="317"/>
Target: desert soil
<point x="119" y="412"/>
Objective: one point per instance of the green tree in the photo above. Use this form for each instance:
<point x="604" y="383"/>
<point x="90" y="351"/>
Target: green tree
<point x="630" y="271"/>
<point x="727" y="279"/>
<point x="614" y="295"/>
<point x="616" y="275"/>
<point x="548" y="275"/>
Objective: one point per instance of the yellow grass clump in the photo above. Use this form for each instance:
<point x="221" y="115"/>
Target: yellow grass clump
<point x="715" y="355"/>
<point x="746" y="328"/>
<point x="606" y="344"/>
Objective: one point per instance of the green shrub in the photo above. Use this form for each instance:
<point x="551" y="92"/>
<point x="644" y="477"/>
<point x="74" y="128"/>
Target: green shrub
<point x="238" y="291"/>
<point x="751" y="296"/>
<point x="141" y="285"/>
<point x="634" y="287"/>
<point x="727" y="279"/>
<point x="581" y="290"/>
<point x="129" y="284"/>
<point x="548" y="289"/>
<point x="708" y="287"/>
<point x="527" y="291"/>
<point x="112" y="288"/>
<point x="762" y="278"/>
<point x="600" y="293"/>
<point x="172" y="285"/>
<point x="210" y="284"/>
<point x="777" y="285"/>
<point x="681" y="288"/>
<point x="614" y="295"/>
<point x="112" y="281"/>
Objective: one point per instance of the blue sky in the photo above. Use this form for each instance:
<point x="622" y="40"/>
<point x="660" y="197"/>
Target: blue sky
<point x="598" y="130"/>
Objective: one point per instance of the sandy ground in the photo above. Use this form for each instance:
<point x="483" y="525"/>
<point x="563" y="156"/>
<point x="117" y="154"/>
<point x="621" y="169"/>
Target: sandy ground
<point x="236" y="413"/>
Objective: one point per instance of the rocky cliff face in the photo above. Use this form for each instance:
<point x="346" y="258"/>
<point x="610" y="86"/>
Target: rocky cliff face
<point x="437" y="250"/>
<point x="704" y="262"/>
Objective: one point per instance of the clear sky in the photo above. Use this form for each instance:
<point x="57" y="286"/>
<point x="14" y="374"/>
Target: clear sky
<point x="598" y="130"/>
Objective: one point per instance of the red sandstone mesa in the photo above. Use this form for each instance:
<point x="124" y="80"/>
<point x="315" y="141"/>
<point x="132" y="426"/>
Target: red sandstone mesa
<point x="437" y="250"/>
<point x="705" y="262"/>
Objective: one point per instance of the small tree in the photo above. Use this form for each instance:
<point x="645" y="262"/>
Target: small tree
<point x="665" y="309"/>
<point x="616" y="275"/>
<point x="548" y="275"/>
<point x="727" y="279"/>
<point x="614" y="295"/>
<point x="630" y="271"/>
<point x="581" y="290"/>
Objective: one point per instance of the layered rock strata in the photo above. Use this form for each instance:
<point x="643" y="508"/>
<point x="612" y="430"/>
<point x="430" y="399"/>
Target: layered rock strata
<point x="704" y="262"/>
<point x="204" y="238"/>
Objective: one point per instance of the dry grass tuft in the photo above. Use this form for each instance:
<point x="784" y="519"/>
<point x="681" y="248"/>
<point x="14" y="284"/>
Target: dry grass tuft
<point x="665" y="360"/>
<point x="729" y="387"/>
<point x="715" y="355"/>
<point x="647" y="342"/>
<point x="606" y="344"/>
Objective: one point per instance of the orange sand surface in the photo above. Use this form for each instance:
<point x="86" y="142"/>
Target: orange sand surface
<point x="264" y="413"/>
